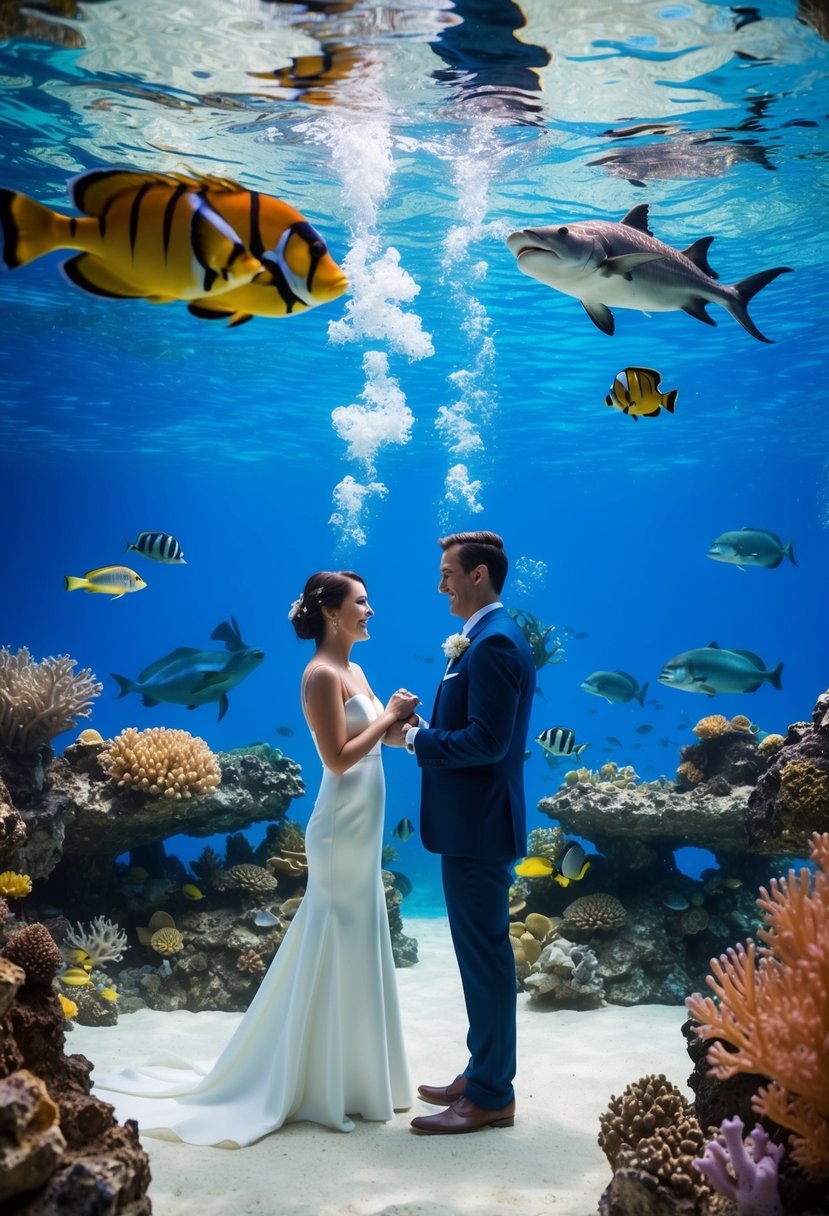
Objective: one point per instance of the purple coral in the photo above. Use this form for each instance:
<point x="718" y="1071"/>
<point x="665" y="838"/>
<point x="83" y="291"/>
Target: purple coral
<point x="752" y="1181"/>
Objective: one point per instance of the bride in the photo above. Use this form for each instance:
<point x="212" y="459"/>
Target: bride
<point x="321" y="1039"/>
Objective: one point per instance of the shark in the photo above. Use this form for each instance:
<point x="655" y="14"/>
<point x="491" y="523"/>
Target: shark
<point x="191" y="677"/>
<point x="622" y="265"/>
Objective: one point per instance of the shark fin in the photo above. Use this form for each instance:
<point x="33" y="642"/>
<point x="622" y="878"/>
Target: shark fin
<point x="696" y="308"/>
<point x="223" y="706"/>
<point x="625" y="263"/>
<point x="637" y="217"/>
<point x="601" y="316"/>
<point x="747" y="288"/>
<point x="698" y="254"/>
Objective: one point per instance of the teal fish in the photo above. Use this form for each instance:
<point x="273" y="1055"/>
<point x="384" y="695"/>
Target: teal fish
<point x="711" y="669"/>
<point x="404" y="830"/>
<point x="751" y="547"/>
<point x="193" y="677"/>
<point x="614" y="686"/>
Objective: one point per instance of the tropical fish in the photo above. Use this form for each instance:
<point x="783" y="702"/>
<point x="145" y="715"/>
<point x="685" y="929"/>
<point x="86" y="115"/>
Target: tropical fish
<point x="751" y="547"/>
<point x="79" y="958"/>
<point x="616" y="742"/>
<point x="560" y="741"/>
<point x="675" y="901"/>
<point x="622" y="265"/>
<point x="732" y="884"/>
<point x="108" y="994"/>
<point x="572" y="867"/>
<point x="107" y="580"/>
<point x="75" y="977"/>
<point x="143" y="235"/>
<point x="159" y="546"/>
<point x="404" y="830"/>
<point x="191" y="891"/>
<point x="644" y="729"/>
<point x="711" y="670"/>
<point x="635" y="391"/>
<point x="614" y="686"/>
<point x="535" y="867"/>
<point x="284" y="730"/>
<point x="193" y="677"/>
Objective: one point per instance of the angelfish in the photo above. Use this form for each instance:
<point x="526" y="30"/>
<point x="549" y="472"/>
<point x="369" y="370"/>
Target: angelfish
<point x="622" y="265"/>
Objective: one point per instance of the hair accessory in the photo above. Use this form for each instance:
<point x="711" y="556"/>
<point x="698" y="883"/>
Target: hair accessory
<point x="294" y="609"/>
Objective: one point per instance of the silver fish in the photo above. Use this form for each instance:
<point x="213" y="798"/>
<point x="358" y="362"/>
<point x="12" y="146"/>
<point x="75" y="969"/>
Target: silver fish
<point x="751" y="547"/>
<point x="622" y="265"/>
<point x="710" y="670"/>
<point x="614" y="686"/>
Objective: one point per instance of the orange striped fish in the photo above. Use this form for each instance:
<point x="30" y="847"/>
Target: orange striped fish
<point x="142" y="235"/>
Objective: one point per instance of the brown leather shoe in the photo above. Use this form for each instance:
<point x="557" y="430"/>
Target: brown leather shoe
<point x="442" y="1095"/>
<point x="463" y="1116"/>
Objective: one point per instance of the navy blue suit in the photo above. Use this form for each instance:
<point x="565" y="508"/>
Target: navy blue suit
<point x="473" y="813"/>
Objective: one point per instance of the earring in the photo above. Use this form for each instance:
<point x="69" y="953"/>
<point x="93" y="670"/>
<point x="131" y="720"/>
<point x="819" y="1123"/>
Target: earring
<point x="334" y="625"/>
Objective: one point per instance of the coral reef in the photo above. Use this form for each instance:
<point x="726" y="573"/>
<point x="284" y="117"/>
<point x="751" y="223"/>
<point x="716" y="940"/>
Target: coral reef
<point x="727" y="754"/>
<point x="40" y="700"/>
<point x="102" y="940"/>
<point x="251" y="963"/>
<point x="608" y="777"/>
<point x="772" y="1015"/>
<point x="33" y="950"/>
<point x="254" y="882"/>
<point x="161" y="763"/>
<point x="595" y="912"/>
<point x="12" y="829"/>
<point x="712" y="726"/>
<point x="770" y="744"/>
<point x="646" y="1105"/>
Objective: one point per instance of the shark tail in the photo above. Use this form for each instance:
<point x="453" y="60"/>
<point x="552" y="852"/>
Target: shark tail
<point x="746" y="289"/>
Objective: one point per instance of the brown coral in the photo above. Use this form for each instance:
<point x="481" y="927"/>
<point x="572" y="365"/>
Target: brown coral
<point x="161" y="763"/>
<point x="740" y="722"/>
<point x="770" y="744"/>
<point x="689" y="772"/>
<point x="647" y="1105"/>
<point x="40" y="700"/>
<point x="250" y="962"/>
<point x="292" y="865"/>
<point x="804" y="792"/>
<point x="597" y="912"/>
<point x="668" y="1156"/>
<point x="250" y="879"/>
<point x="693" y="920"/>
<point x="712" y="727"/>
<point x="33" y="949"/>
<point x="772" y="1015"/>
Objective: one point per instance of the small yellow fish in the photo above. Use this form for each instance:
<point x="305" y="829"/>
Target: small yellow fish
<point x="70" y="1009"/>
<point x="80" y="958"/>
<point x="636" y="392"/>
<point x="107" y="580"/>
<point x="75" y="978"/>
<point x="535" y="867"/>
<point x="191" y="891"/>
<point x="109" y="994"/>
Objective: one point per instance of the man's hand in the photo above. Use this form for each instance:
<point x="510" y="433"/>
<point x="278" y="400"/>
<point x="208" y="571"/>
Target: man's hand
<point x="395" y="736"/>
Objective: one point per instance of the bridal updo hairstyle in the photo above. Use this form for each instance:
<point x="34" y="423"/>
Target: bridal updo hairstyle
<point x="480" y="549"/>
<point x="325" y="589"/>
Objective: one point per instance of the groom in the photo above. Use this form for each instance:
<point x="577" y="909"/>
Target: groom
<point x="472" y="813"/>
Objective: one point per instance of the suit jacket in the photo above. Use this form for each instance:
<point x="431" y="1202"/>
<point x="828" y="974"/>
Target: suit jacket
<point x="472" y="754"/>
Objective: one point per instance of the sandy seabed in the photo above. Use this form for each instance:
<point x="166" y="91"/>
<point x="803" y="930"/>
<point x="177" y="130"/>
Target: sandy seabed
<point x="569" y="1064"/>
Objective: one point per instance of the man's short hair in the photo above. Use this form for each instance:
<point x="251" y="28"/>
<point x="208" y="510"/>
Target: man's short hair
<point x="480" y="549"/>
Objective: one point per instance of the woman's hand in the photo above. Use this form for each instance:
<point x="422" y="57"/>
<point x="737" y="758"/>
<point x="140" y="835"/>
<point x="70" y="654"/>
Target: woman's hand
<point x="402" y="704"/>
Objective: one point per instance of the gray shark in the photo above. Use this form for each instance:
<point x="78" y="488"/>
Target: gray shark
<point x="623" y="265"/>
<point x="193" y="677"/>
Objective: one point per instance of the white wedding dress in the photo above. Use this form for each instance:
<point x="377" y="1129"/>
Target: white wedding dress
<point x="322" y="1038"/>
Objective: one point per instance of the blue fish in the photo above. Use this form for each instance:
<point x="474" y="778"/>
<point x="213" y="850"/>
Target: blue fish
<point x="193" y="677"/>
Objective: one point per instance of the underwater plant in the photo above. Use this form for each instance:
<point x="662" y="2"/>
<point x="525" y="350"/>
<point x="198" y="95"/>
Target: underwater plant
<point x="545" y="645"/>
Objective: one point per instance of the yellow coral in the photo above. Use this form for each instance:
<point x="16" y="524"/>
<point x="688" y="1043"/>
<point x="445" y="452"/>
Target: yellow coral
<point x="689" y="771"/>
<point x="772" y="1011"/>
<point x="770" y="744"/>
<point x="741" y="722"/>
<point x="14" y="886"/>
<point x="70" y="1009"/>
<point x="89" y="736"/>
<point x="166" y="941"/>
<point x="712" y="726"/>
<point x="804" y="792"/>
<point x="161" y="763"/>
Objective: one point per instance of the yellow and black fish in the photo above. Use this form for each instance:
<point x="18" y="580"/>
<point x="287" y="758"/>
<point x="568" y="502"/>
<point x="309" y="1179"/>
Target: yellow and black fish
<point x="107" y="580"/>
<point x="636" y="392"/>
<point x="142" y="236"/>
<point x="572" y="866"/>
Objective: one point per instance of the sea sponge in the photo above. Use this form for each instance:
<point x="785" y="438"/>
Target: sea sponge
<point x="741" y="722"/>
<point x="15" y="886"/>
<point x="33" y="949"/>
<point x="597" y="912"/>
<point x="250" y="879"/>
<point x="40" y="700"/>
<point x="648" y="1104"/>
<point x="161" y="763"/>
<point x="712" y="727"/>
<point x="250" y="962"/>
<point x="770" y="745"/>
<point x="689" y="772"/>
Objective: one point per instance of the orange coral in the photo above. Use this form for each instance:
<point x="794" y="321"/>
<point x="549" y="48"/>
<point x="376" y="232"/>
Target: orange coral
<point x="712" y="726"/>
<point x="773" y="1009"/>
<point x="689" y="771"/>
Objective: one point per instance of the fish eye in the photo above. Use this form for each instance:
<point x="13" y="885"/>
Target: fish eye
<point x="563" y="231"/>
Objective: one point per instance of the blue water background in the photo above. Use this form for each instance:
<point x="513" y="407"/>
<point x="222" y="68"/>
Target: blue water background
<point x="117" y="417"/>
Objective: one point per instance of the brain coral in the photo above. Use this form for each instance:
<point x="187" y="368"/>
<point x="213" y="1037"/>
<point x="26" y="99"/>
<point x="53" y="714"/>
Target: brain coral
<point x="253" y="880"/>
<point x="161" y="763"/>
<point x="15" y="886"/>
<point x="596" y="912"/>
<point x="648" y="1104"/>
<point x="804" y="792"/>
<point x="40" y="700"/>
<point x="166" y="941"/>
<point x="712" y="726"/>
<point x="33" y="949"/>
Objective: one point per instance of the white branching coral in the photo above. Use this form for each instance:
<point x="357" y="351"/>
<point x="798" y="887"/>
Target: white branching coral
<point x="40" y="700"/>
<point x="102" y="940"/>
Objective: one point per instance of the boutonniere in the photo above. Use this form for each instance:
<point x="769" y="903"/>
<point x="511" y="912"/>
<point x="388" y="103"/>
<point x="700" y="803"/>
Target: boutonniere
<point x="455" y="645"/>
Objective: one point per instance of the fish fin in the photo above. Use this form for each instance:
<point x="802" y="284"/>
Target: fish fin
<point x="223" y="706"/>
<point x="696" y="308"/>
<point x="92" y="192"/>
<point x="627" y="675"/>
<point x="601" y="316"/>
<point x="709" y="691"/>
<point x="669" y="399"/>
<point x="560" y="879"/>
<point x="651" y="413"/>
<point x="739" y="567"/>
<point x="229" y="633"/>
<point x="148" y="701"/>
<point x="698" y="254"/>
<point x="215" y="312"/>
<point x="635" y="417"/>
<point x="641" y="693"/>
<point x="114" y="597"/>
<point x="181" y="653"/>
<point x="637" y="217"/>
<point x="625" y="263"/>
<point x="27" y="228"/>
<point x="773" y="677"/>
<point x="73" y="583"/>
<point x="746" y="289"/>
<point x="713" y="646"/>
<point x="94" y="277"/>
<point x="789" y="553"/>
<point x="752" y="658"/>
<point x="124" y="685"/>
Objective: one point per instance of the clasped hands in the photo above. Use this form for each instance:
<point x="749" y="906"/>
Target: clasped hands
<point x="403" y="705"/>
